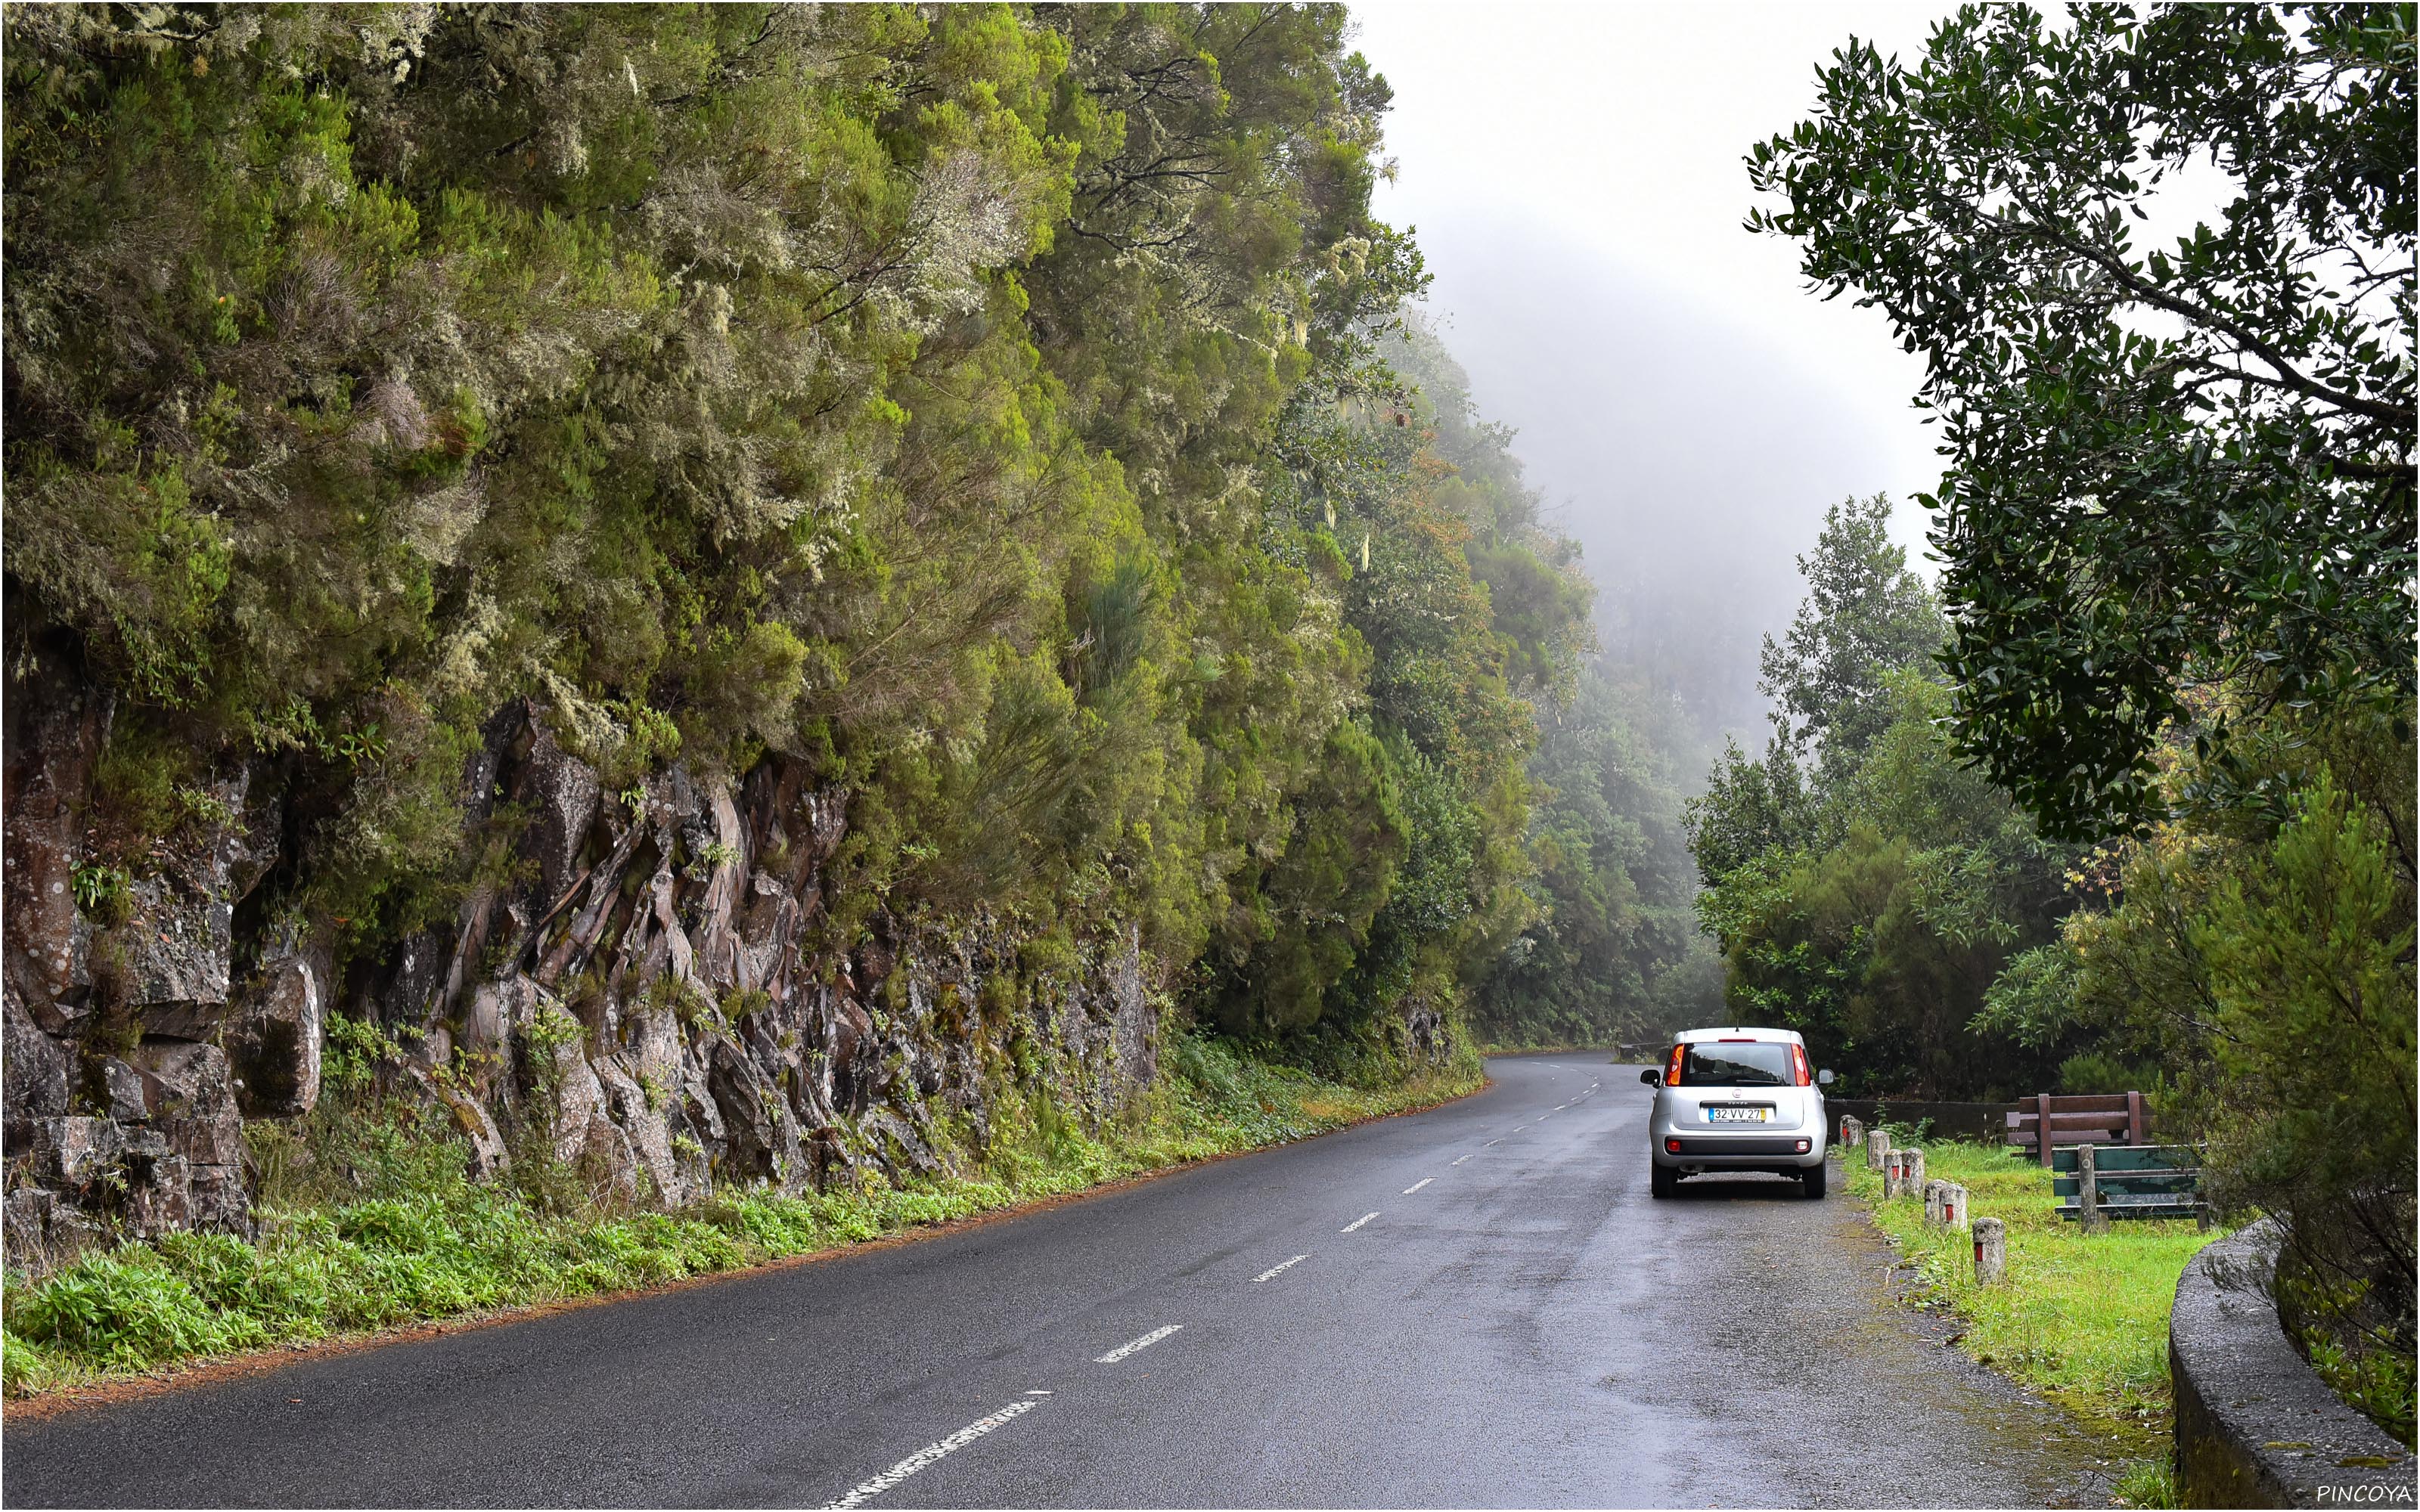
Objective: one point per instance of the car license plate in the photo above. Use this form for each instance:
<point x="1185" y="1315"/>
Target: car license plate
<point x="1735" y="1115"/>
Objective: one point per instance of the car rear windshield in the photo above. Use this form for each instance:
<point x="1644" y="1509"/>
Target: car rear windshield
<point x="1740" y="1063"/>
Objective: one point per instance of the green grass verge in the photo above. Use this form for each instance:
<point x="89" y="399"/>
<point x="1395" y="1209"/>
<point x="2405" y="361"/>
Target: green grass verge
<point x="2149" y="1483"/>
<point x="2082" y="1317"/>
<point x="441" y="1246"/>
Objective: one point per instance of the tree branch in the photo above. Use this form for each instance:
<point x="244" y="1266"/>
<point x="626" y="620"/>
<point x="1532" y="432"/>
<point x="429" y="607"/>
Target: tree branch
<point x="2151" y="294"/>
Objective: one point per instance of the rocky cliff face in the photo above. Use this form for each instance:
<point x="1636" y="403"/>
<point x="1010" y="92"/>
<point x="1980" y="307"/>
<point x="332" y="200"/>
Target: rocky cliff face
<point x="644" y="1000"/>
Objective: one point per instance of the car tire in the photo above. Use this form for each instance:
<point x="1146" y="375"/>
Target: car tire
<point x="1813" y="1180"/>
<point x="1662" y="1181"/>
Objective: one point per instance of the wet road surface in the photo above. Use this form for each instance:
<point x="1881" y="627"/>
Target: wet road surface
<point x="1475" y="1306"/>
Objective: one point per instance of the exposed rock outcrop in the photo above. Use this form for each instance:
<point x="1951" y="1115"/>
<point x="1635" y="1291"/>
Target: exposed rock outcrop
<point x="648" y="1001"/>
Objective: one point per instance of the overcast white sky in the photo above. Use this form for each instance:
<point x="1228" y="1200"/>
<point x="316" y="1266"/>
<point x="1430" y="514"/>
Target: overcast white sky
<point x="1574" y="172"/>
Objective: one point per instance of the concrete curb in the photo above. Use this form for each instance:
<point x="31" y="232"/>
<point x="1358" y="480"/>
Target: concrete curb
<point x="2255" y="1426"/>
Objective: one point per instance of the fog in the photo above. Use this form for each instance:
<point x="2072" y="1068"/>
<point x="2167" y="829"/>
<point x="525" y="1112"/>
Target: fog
<point x="1689" y="458"/>
<point x="1687" y="406"/>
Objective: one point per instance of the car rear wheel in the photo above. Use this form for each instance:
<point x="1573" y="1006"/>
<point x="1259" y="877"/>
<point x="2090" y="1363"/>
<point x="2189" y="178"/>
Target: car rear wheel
<point x="1812" y="1179"/>
<point x="1662" y="1181"/>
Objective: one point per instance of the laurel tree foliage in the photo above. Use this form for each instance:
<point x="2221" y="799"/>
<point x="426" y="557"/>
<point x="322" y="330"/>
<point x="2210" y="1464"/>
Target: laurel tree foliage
<point x="2174" y="462"/>
<point x="2176" y="535"/>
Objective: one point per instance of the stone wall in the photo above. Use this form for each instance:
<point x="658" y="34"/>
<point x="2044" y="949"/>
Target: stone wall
<point x="2255" y="1426"/>
<point x="648" y="1000"/>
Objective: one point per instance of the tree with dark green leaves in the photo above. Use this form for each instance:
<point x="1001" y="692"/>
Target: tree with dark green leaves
<point x="2170" y="466"/>
<point x="1833" y="680"/>
<point x="1869" y="890"/>
<point x="2178" y="527"/>
<point x="1865" y="615"/>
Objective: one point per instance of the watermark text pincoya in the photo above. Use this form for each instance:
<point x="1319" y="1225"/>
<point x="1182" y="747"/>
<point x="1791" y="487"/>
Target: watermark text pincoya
<point x="2369" y="1495"/>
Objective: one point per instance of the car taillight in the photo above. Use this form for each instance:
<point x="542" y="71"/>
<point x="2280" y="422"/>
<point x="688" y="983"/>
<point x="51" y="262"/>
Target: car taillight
<point x="1804" y="1144"/>
<point x="1673" y="1070"/>
<point x="1671" y="1147"/>
<point x="1799" y="1058"/>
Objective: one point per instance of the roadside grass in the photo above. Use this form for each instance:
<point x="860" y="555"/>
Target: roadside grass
<point x="2082" y="1317"/>
<point x="440" y="1246"/>
<point x="2149" y="1483"/>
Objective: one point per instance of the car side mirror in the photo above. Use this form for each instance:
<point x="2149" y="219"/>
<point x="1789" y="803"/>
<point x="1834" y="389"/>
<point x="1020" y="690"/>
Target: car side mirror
<point x="1822" y="1078"/>
<point x="1652" y="1077"/>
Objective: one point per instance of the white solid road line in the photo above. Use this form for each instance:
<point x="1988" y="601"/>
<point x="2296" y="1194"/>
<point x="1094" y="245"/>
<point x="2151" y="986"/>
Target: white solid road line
<point x="929" y="1454"/>
<point x="1280" y="1266"/>
<point x="1132" y="1345"/>
<point x="1417" y="1185"/>
<point x="1356" y="1222"/>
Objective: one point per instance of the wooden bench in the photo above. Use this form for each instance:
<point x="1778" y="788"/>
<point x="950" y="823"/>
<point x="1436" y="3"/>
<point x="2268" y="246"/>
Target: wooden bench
<point x="2117" y="1118"/>
<point x="2131" y="1181"/>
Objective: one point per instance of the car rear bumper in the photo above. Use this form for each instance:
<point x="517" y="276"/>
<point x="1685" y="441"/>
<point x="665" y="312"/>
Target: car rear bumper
<point x="1724" y="1152"/>
<point x="1759" y="1145"/>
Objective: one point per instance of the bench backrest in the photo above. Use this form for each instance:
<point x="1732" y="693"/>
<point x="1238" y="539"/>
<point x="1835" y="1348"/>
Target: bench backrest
<point x="2109" y="1158"/>
<point x="2049" y="1121"/>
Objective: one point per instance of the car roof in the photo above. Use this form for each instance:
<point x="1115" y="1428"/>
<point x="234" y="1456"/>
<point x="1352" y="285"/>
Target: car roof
<point x="1737" y="1032"/>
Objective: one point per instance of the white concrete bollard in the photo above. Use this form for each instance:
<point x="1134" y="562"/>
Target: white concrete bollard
<point x="1877" y="1149"/>
<point x="1953" y="1205"/>
<point x="1933" y="1203"/>
<point x="1853" y="1131"/>
<point x="1991" y="1252"/>
<point x="1913" y="1182"/>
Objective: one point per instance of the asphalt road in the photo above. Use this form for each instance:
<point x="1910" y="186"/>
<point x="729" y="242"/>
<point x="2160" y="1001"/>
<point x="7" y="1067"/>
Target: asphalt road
<point x="1513" y="1322"/>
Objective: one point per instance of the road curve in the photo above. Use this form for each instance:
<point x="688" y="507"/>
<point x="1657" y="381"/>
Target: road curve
<point x="1476" y="1306"/>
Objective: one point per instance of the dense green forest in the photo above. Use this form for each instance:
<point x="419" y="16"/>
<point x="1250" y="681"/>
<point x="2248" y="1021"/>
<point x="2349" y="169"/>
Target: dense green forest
<point x="1007" y="412"/>
<point x="2129" y="802"/>
<point x="1607" y="947"/>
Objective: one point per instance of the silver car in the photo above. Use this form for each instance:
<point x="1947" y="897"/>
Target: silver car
<point x="1736" y="1099"/>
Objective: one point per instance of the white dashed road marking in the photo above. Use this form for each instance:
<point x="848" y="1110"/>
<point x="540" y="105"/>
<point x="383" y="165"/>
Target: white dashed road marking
<point x="1356" y="1222"/>
<point x="1459" y="1159"/>
<point x="1417" y="1185"/>
<point x="930" y="1454"/>
<point x="1280" y="1266"/>
<point x="1132" y="1345"/>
